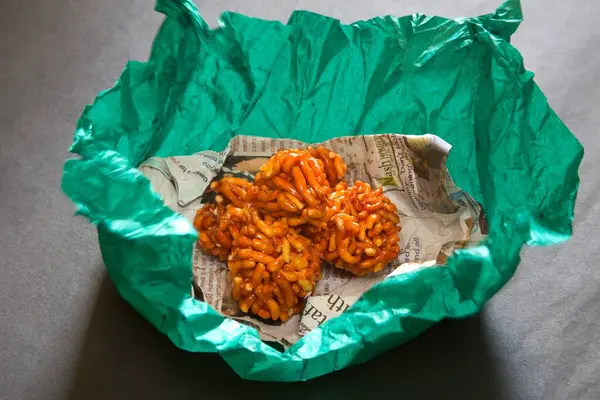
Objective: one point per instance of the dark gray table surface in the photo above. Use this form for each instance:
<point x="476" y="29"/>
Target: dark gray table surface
<point x="64" y="331"/>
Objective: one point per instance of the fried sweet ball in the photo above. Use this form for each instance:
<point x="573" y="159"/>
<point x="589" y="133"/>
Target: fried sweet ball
<point x="364" y="229"/>
<point x="275" y="232"/>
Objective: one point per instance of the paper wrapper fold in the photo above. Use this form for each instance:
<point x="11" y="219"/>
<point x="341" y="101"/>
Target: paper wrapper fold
<point x="437" y="217"/>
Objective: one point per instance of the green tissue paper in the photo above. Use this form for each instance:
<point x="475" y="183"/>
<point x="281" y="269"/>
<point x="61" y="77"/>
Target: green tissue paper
<point x="314" y="79"/>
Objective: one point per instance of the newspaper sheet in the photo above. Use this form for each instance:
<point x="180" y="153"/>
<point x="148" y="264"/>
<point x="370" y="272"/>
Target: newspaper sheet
<point x="436" y="216"/>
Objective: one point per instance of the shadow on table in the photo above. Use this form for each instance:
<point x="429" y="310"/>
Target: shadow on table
<point x="124" y="357"/>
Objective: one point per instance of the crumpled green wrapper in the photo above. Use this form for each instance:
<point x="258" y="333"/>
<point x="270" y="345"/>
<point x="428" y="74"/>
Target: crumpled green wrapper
<point x="314" y="79"/>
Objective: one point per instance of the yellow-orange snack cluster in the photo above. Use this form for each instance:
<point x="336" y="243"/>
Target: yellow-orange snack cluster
<point x="275" y="232"/>
<point x="363" y="234"/>
<point x="273" y="267"/>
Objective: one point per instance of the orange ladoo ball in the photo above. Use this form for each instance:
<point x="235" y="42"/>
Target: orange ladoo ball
<point x="364" y="228"/>
<point x="275" y="232"/>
